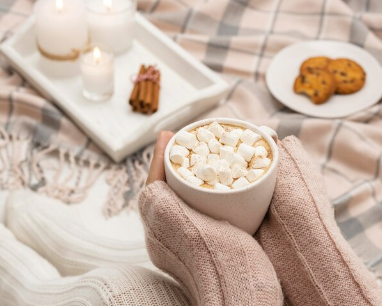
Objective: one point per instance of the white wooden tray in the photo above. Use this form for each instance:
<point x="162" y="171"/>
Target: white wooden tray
<point x="188" y="88"/>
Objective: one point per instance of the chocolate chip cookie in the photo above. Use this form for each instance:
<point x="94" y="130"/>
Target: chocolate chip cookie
<point x="349" y="76"/>
<point x="319" y="85"/>
<point x="314" y="63"/>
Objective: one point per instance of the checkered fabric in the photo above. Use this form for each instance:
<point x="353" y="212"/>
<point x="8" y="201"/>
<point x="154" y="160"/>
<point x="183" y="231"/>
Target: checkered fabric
<point x="238" y="38"/>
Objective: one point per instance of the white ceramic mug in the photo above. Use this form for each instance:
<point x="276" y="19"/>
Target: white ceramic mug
<point x="244" y="207"/>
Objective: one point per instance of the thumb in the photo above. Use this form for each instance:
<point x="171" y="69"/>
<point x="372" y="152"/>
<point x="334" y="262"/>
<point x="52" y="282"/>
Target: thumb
<point x="157" y="164"/>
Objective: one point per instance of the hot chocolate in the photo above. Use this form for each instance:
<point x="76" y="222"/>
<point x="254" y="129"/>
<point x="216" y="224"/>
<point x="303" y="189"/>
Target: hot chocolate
<point x="220" y="156"/>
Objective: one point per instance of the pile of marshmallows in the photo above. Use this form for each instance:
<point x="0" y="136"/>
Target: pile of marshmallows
<point x="216" y="159"/>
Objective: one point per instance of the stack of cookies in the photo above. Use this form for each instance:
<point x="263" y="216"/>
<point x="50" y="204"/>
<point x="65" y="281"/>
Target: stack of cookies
<point x="321" y="77"/>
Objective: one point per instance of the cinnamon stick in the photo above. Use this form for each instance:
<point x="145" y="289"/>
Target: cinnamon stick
<point x="144" y="97"/>
<point x="139" y="104"/>
<point x="149" y="91"/>
<point x="135" y="93"/>
<point x="142" y="93"/>
<point x="155" y="99"/>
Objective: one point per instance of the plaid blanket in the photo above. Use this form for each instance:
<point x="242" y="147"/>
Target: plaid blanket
<point x="238" y="39"/>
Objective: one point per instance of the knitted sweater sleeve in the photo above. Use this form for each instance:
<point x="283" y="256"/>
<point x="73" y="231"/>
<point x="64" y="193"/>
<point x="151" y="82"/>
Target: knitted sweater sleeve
<point x="216" y="263"/>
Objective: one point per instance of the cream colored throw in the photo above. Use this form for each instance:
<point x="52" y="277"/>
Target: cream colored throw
<point x="28" y="279"/>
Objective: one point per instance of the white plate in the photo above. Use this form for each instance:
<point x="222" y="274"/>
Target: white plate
<point x="188" y="88"/>
<point x="285" y="66"/>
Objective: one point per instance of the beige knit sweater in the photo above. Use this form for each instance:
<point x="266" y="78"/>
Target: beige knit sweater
<point x="218" y="264"/>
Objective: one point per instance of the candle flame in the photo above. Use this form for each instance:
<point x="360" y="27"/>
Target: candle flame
<point x="59" y="5"/>
<point x="97" y="55"/>
<point x="108" y="4"/>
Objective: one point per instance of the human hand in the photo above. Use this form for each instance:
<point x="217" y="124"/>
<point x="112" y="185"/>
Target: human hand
<point x="157" y="164"/>
<point x="216" y="262"/>
<point x="315" y="264"/>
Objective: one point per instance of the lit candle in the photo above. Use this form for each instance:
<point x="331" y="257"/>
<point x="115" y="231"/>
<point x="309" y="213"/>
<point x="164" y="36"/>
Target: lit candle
<point x="97" y="70"/>
<point x="111" y="23"/>
<point x="108" y="4"/>
<point x="61" y="28"/>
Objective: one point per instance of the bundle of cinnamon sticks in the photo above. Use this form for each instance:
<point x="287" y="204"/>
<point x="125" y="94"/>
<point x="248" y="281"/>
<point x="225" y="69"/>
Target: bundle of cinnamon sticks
<point x="145" y="95"/>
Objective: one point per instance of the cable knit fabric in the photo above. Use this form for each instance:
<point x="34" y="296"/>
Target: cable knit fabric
<point x="217" y="263"/>
<point x="315" y="264"/>
<point x="50" y="229"/>
<point x="26" y="279"/>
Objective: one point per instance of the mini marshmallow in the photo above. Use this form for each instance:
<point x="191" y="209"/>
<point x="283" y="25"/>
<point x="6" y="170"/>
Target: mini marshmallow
<point x="241" y="182"/>
<point x="206" y="173"/>
<point x="254" y="174"/>
<point x="212" y="159"/>
<point x="219" y="186"/>
<point x="249" y="137"/>
<point x="197" y="159"/>
<point x="225" y="176"/>
<point x="181" y="149"/>
<point x="214" y="145"/>
<point x="225" y="150"/>
<point x="186" y="139"/>
<point x="238" y="171"/>
<point x="194" y="180"/>
<point x="205" y="135"/>
<point x="186" y="163"/>
<point x="178" y="154"/>
<point x="246" y="151"/>
<point x="184" y="172"/>
<point x="236" y="159"/>
<point x="221" y="164"/>
<point x="229" y="139"/>
<point x="213" y="183"/>
<point x="260" y="151"/>
<point x="176" y="157"/>
<point x="201" y="148"/>
<point x="238" y="132"/>
<point x="261" y="163"/>
<point x="216" y="129"/>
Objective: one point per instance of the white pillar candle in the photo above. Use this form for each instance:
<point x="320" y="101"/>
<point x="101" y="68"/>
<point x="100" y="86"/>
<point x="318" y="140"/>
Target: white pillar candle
<point x="97" y="70"/>
<point x="111" y="22"/>
<point x="61" y="28"/>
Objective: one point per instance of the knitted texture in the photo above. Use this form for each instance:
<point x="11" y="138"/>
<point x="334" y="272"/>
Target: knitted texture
<point x="315" y="264"/>
<point x="52" y="230"/>
<point x="217" y="263"/>
<point x="28" y="279"/>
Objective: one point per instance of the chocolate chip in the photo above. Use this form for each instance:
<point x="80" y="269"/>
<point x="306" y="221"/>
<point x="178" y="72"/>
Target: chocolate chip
<point x="316" y="93"/>
<point x="343" y="73"/>
<point x="344" y="81"/>
<point x="303" y="79"/>
<point x="323" y="82"/>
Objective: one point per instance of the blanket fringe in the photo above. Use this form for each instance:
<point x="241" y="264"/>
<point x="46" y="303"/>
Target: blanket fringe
<point x="59" y="173"/>
<point x="66" y="185"/>
<point x="127" y="182"/>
